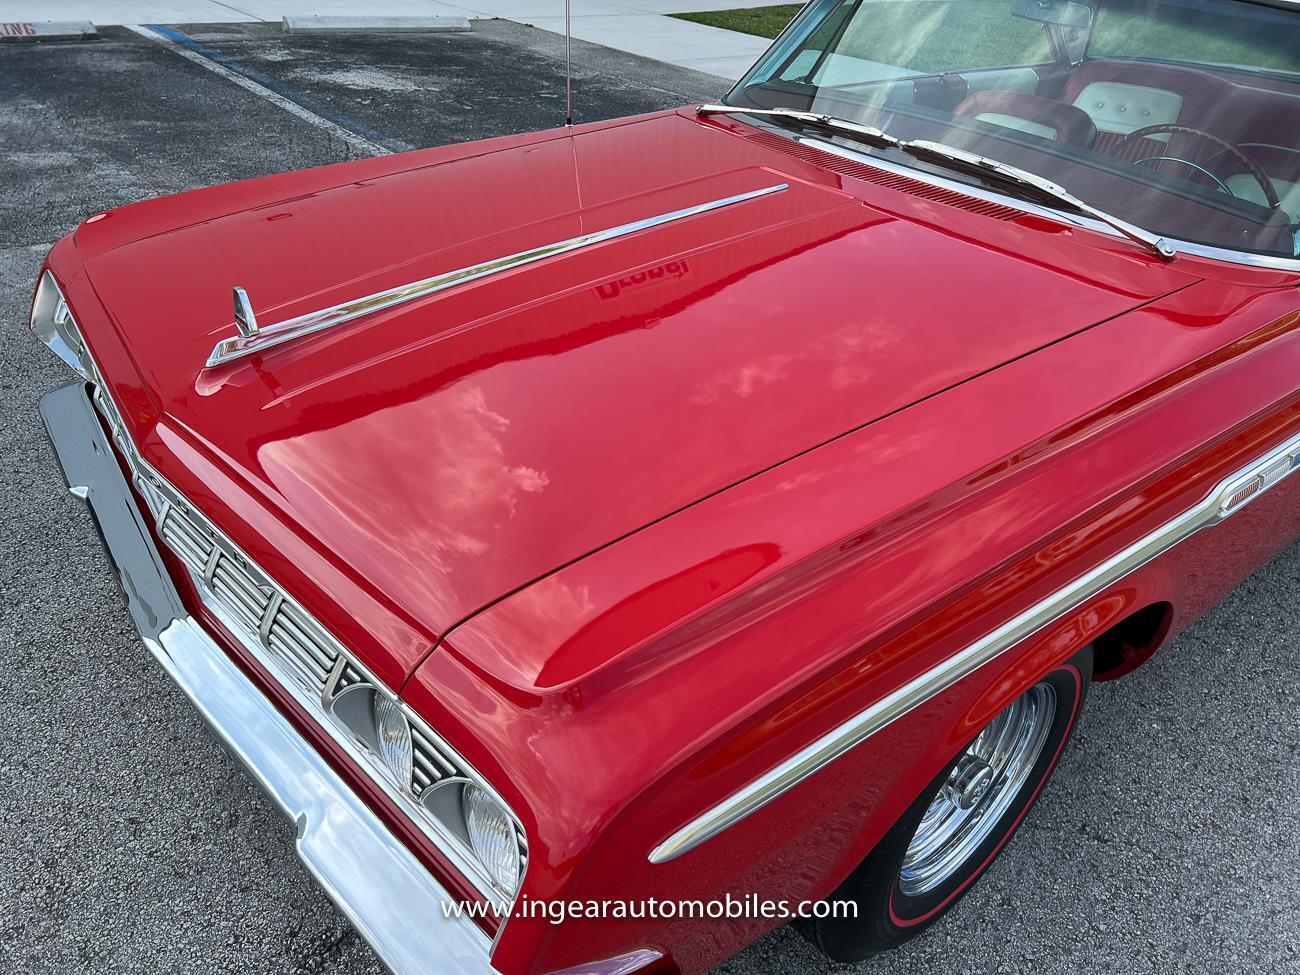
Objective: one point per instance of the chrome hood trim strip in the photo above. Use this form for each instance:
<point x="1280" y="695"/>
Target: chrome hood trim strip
<point x="1227" y="498"/>
<point x="268" y="337"/>
<point x="387" y="894"/>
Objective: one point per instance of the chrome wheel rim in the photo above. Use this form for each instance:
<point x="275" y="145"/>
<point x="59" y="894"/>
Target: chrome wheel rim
<point x="986" y="780"/>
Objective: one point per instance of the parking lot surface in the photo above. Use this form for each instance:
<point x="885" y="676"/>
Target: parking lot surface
<point x="1167" y="841"/>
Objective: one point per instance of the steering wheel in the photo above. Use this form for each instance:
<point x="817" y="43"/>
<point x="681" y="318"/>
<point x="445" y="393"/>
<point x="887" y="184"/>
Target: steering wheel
<point x="1255" y="169"/>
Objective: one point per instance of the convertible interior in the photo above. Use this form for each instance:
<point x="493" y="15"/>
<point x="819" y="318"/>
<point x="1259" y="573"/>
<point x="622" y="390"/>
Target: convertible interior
<point x="1111" y="99"/>
<point x="1169" y="116"/>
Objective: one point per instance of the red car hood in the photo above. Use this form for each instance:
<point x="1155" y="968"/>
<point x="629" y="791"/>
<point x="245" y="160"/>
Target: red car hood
<point x="448" y="451"/>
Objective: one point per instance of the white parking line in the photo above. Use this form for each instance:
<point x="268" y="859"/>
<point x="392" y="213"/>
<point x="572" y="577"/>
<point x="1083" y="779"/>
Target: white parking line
<point x="347" y="135"/>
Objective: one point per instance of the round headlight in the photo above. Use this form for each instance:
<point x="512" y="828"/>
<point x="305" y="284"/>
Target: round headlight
<point x="394" y="734"/>
<point x="492" y="834"/>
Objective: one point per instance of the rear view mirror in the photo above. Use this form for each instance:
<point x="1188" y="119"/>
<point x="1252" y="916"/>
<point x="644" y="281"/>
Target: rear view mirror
<point x="1064" y="13"/>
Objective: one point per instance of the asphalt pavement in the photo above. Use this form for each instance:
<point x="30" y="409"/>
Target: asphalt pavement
<point x="129" y="842"/>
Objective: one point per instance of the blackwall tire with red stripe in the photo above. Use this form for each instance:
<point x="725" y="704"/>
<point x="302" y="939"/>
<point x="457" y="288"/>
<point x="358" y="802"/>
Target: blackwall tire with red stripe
<point x="939" y="847"/>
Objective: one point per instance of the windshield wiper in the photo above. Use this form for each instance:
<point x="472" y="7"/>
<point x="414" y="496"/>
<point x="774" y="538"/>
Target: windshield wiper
<point x="935" y="151"/>
<point x="950" y="155"/>
<point x="863" y="133"/>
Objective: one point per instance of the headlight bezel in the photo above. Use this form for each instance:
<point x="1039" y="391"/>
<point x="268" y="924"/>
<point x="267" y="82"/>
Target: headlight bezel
<point x="360" y="709"/>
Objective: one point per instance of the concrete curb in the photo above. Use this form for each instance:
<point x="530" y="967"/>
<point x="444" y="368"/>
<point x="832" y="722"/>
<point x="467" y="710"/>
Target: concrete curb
<point x="47" y="30"/>
<point x="375" y="25"/>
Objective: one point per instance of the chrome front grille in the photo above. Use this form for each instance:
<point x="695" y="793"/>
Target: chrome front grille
<point x="296" y="651"/>
<point x="186" y="540"/>
<point x="301" y="645"/>
<point x="260" y="613"/>
<point x="347" y="677"/>
<point x="431" y="765"/>
<point x="239" y="590"/>
<point x="287" y="634"/>
<point x="307" y="652"/>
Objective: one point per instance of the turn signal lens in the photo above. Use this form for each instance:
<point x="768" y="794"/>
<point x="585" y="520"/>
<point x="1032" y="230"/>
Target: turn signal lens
<point x="1242" y="494"/>
<point x="492" y="834"/>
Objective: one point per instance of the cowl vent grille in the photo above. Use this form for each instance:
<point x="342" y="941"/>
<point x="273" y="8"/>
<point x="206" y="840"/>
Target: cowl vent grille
<point x="882" y="177"/>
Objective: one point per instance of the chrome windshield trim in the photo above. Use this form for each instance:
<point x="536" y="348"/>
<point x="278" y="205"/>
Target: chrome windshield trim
<point x="866" y="132"/>
<point x="1188" y="247"/>
<point x="269" y="336"/>
<point x="380" y="886"/>
<point x="1228" y="497"/>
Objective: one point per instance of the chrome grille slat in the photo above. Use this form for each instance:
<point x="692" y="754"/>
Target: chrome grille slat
<point x="196" y="550"/>
<point x="180" y="535"/>
<point x="293" y="631"/>
<point x="237" y="578"/>
<point x="248" y="615"/>
<point x="181" y="524"/>
<point x="430" y="757"/>
<point x="302" y="663"/>
<point x="224" y="585"/>
<point x="300" y="656"/>
<point x="425" y="763"/>
<point x="349" y="677"/>
<point x="187" y="554"/>
<point x="424" y="774"/>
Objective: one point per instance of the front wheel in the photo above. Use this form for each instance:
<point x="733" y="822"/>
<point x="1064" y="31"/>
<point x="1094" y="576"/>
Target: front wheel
<point x="960" y="822"/>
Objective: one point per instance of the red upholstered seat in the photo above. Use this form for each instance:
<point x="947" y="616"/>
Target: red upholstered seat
<point x="1121" y="97"/>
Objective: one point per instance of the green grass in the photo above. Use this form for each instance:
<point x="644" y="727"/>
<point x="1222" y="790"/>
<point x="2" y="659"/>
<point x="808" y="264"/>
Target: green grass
<point x="1263" y="42"/>
<point x="763" y="21"/>
<point x="939" y="35"/>
<point x="960" y="35"/>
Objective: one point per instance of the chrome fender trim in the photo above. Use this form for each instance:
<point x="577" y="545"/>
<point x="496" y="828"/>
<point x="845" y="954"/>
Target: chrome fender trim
<point x="252" y="339"/>
<point x="1228" y="497"/>
<point x="387" y="894"/>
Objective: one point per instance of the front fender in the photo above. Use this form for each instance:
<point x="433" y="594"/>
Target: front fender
<point x="870" y="589"/>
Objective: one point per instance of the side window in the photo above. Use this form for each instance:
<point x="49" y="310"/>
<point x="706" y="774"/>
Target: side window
<point x="814" y="50"/>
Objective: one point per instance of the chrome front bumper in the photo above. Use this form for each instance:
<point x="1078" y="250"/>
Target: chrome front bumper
<point x="391" y="899"/>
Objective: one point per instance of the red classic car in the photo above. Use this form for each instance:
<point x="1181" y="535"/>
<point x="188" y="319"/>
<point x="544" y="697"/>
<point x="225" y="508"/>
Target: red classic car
<point x="727" y="506"/>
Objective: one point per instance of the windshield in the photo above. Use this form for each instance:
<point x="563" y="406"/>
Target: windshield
<point x="1179" y="116"/>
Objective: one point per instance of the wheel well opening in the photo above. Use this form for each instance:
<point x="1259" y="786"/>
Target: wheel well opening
<point x="1131" y="642"/>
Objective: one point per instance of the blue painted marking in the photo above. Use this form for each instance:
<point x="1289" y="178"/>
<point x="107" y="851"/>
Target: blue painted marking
<point x="278" y="87"/>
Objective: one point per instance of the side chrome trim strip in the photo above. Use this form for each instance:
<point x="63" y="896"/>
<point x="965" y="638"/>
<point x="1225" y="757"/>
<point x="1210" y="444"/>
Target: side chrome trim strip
<point x="269" y="336"/>
<point x="1230" y="496"/>
<point x="387" y="894"/>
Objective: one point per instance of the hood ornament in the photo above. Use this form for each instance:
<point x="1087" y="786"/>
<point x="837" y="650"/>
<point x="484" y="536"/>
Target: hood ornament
<point x="253" y="339"/>
<point x="245" y="320"/>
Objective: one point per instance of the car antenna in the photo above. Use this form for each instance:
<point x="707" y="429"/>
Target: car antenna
<point x="568" y="63"/>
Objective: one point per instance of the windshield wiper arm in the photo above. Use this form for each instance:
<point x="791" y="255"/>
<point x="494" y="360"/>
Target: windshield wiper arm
<point x="863" y="133"/>
<point x="949" y="154"/>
